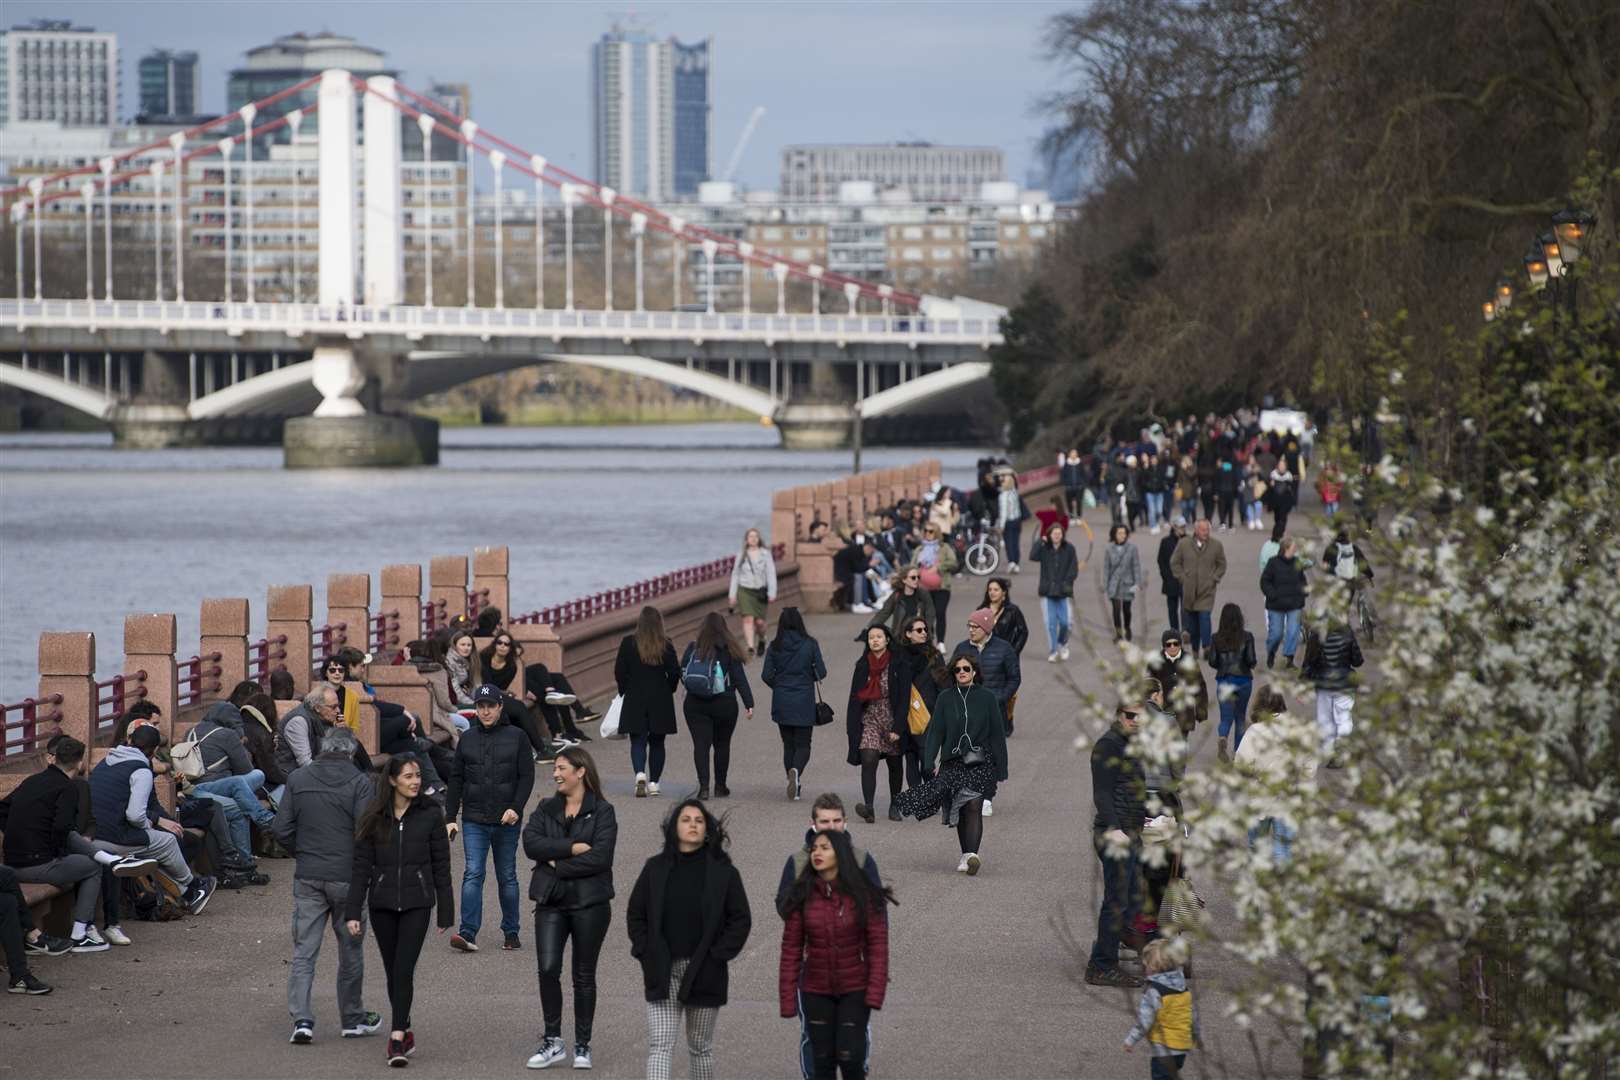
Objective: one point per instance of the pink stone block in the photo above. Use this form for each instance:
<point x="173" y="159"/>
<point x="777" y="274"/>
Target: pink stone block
<point x="224" y="618"/>
<point x="491" y="561"/>
<point x="448" y="571"/>
<point x="67" y="653"/>
<point x="348" y="590"/>
<point x="290" y="603"/>
<point x="402" y="579"/>
<point x="149" y="634"/>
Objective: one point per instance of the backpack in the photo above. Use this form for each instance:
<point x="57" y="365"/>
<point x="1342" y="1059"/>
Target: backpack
<point x="186" y="756"/>
<point x="147" y="900"/>
<point x="1344" y="562"/>
<point x="705" y="678"/>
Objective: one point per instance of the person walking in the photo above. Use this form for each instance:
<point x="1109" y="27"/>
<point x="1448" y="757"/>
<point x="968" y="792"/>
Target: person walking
<point x="753" y="590"/>
<point x="1010" y="625"/>
<point x="1283" y="583"/>
<point x="1118" y="793"/>
<point x="1060" y="565"/>
<point x="875" y="720"/>
<point x="1231" y="654"/>
<point x="1330" y="663"/>
<point x="967" y="737"/>
<point x="571" y="837"/>
<point x="935" y="562"/>
<point x="793" y="667"/>
<point x="1284" y="493"/>
<point x="402" y="867"/>
<point x="316" y="821"/>
<point x="490" y="781"/>
<point x="1122" y="579"/>
<point x="1166" y="1016"/>
<point x="1199" y="566"/>
<point x="929" y="676"/>
<point x="1281" y="752"/>
<point x="1010" y="514"/>
<point x="1072" y="472"/>
<point x="906" y="601"/>
<point x="647" y="674"/>
<point x="713" y="674"/>
<point x="999" y="670"/>
<point x="688" y="918"/>
<point x="1170" y="668"/>
<point x="835" y="955"/>
<point x="1169" y="585"/>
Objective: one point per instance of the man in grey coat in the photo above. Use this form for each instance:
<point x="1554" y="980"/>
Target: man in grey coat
<point x="229" y="775"/>
<point x="316" y="822"/>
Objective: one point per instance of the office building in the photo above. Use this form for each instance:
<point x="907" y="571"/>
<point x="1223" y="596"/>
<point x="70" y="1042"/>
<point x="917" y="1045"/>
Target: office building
<point x="633" y="113"/>
<point x="288" y="61"/>
<point x="171" y="86"/>
<point x="694" y="115"/>
<point x="925" y="171"/>
<point x="51" y="70"/>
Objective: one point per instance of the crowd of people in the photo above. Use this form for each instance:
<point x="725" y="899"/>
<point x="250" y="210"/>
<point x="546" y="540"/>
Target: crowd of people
<point x="371" y="845"/>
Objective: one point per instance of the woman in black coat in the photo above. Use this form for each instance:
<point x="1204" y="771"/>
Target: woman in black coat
<point x="879" y="697"/>
<point x="402" y="864"/>
<point x="1011" y="626"/>
<point x="793" y="667"/>
<point x="647" y="673"/>
<point x="688" y="919"/>
<point x="929" y="676"/>
<point x="713" y="674"/>
<point x="571" y="837"/>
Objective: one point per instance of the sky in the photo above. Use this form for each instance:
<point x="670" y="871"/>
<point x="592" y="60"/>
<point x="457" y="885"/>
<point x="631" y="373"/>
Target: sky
<point x="825" y="71"/>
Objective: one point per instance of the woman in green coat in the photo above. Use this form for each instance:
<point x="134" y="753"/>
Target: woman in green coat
<point x="967" y="736"/>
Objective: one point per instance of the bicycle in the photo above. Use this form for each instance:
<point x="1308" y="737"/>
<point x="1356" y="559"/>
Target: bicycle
<point x="983" y="552"/>
<point x="1366" y="615"/>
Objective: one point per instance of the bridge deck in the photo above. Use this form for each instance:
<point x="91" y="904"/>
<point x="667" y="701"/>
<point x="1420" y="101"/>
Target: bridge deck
<point x="986" y="971"/>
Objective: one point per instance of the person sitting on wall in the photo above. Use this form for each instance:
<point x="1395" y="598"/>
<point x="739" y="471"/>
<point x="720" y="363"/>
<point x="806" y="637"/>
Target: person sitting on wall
<point x="259" y="732"/>
<point x="398" y="729"/>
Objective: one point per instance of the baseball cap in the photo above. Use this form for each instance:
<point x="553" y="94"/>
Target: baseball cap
<point x="489" y="692"/>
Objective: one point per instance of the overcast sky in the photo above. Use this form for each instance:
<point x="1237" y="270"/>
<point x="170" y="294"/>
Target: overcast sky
<point x="825" y="71"/>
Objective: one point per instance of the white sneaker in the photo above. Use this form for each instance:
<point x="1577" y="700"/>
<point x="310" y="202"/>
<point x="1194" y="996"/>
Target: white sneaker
<point x="1052" y="658"/>
<point x="961" y="867"/>
<point x="557" y="697"/>
<point x="1063" y="653"/>
<point x="861" y="609"/>
<point x="641" y="793"/>
<point x="941" y="646"/>
<point x="971" y="863"/>
<point x="988" y="809"/>
<point x="1013" y="568"/>
<point x="91" y="942"/>
<point x="652" y="787"/>
<point x="116" y="936"/>
<point x="582" y="1056"/>
<point x="551" y="1051"/>
<point x="130" y="866"/>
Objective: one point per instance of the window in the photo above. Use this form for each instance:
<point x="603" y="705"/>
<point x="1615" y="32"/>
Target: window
<point x="1012" y="232"/>
<point x="801" y="233"/>
<point x="942" y="232"/>
<point x="912" y="232"/>
<point x="913" y="254"/>
<point x="801" y="255"/>
<point x="943" y="254"/>
<point x="1037" y="232"/>
<point x="772" y="233"/>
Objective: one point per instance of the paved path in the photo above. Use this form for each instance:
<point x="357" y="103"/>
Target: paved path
<point x="986" y="971"/>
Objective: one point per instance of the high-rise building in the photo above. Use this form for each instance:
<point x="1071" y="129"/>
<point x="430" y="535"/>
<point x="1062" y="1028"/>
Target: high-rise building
<point x="288" y="61"/>
<point x="694" y="114"/>
<point x="53" y="70"/>
<point x="924" y="171"/>
<point x="633" y="113"/>
<point x="171" y="85"/>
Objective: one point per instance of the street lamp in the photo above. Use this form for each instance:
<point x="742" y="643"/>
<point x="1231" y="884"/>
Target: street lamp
<point x="1535" y="267"/>
<point x="1548" y="243"/>
<point x="1489" y="310"/>
<point x="1504" y="294"/>
<point x="1570" y="227"/>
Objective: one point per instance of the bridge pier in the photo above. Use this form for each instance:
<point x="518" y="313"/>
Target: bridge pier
<point x="137" y="426"/>
<point x="824" y="426"/>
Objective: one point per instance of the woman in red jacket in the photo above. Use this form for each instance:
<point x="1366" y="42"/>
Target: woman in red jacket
<point x="835" y="953"/>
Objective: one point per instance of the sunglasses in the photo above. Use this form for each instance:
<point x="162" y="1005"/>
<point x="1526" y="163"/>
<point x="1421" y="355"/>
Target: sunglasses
<point x="963" y="669"/>
<point x="336" y="668"/>
<point x="1129" y="715"/>
<point x="917" y="630"/>
<point x="508" y="644"/>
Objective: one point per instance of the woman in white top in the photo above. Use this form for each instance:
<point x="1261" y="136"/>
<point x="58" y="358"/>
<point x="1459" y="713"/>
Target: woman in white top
<point x="1010" y="513"/>
<point x="753" y="588"/>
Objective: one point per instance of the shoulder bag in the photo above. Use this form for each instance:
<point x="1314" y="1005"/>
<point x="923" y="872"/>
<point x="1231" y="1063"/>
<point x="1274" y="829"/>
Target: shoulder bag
<point x="824" y="711"/>
<point x="186" y="756"/>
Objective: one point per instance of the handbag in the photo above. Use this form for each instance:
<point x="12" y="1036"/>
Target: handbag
<point x="972" y="755"/>
<point x="824" y="711"/>
<point x="917" y="714"/>
<point x="929" y="577"/>
<point x="610" y="720"/>
<point x="1181" y="907"/>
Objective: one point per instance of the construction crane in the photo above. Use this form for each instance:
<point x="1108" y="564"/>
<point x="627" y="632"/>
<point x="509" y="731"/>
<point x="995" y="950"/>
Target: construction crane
<point x="742" y="141"/>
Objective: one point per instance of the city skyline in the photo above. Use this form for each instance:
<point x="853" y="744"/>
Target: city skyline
<point x="909" y="58"/>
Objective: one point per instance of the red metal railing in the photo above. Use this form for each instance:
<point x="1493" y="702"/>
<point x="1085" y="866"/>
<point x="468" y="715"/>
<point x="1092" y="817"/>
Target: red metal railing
<point x="326" y="640"/>
<point x="384" y="632"/>
<point x="198" y="676"/>
<point x="265" y="656"/>
<point x="477" y="599"/>
<point x="433" y="616"/>
<point x="1043" y="475"/>
<point x="636" y="595"/>
<point x="116" y="694"/>
<point x="19" y="723"/>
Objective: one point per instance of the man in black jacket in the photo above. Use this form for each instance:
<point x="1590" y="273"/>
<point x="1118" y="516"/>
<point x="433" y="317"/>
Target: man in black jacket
<point x="1169" y="584"/>
<point x="316" y="821"/>
<point x="44" y="844"/>
<point x="1119" y="790"/>
<point x="490" y="784"/>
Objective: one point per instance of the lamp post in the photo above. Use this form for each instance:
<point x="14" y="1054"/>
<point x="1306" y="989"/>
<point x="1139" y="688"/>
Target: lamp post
<point x="157" y="230"/>
<point x="638" y="229"/>
<point x="1504" y="295"/>
<point x="35" y="186"/>
<point x="745" y="255"/>
<point x="295" y="120"/>
<point x="177" y="142"/>
<point x="710" y="248"/>
<point x="1489" y="310"/>
<point x="88" y="191"/>
<point x="497" y="162"/>
<point x="537" y="165"/>
<point x="569" y="197"/>
<point x="248" y="112"/>
<point x="469" y="131"/>
<point x="607" y="196"/>
<point x="106" y="164"/>
<point x="1569" y="233"/>
<point x="225" y="155"/>
<point x="425" y="124"/>
<point x="677" y="257"/>
<point x="779" y="271"/>
<point x="19" y="210"/>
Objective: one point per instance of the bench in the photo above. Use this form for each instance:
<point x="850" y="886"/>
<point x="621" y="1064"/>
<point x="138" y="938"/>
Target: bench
<point x="52" y="908"/>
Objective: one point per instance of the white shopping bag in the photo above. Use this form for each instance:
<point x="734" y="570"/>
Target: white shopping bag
<point x="610" y="722"/>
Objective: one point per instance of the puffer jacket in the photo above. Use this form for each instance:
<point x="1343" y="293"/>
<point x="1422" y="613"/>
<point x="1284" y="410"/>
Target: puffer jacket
<point x="1118" y="783"/>
<point x="575" y="881"/>
<point x="1331" y="662"/>
<point x="826" y="950"/>
<point x="1059" y="567"/>
<point x="1236" y="663"/>
<point x="405" y="868"/>
<point x="493" y="773"/>
<point x="219" y="733"/>
<point x="1283" y="582"/>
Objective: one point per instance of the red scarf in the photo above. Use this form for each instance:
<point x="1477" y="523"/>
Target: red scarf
<point x="876" y="665"/>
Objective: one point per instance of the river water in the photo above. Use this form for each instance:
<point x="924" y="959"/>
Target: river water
<point x="89" y="533"/>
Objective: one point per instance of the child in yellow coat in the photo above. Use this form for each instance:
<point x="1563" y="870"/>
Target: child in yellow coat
<point x="1166" y="1016"/>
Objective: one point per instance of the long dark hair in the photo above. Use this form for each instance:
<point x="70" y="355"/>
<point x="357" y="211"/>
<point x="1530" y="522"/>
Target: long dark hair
<point x="931" y="660"/>
<point x="373" y="824"/>
<point x="579" y="758"/>
<point x="714" y="635"/>
<point x="715" y="837"/>
<point x="488" y="651"/>
<point x="1006" y="592"/>
<point x="1229" y="638"/>
<point x="851" y="879"/>
<point x="650" y="637"/>
<point x="790" y="619"/>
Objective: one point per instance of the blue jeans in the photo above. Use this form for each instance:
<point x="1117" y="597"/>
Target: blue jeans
<point x="1282" y="840"/>
<point x="1166" y="1068"/>
<point x="1233" y="692"/>
<point x="1155" y="508"/>
<point x="236" y="822"/>
<point x="639" y="745"/>
<point x="243" y="791"/>
<point x="1282" y="626"/>
<point x="1197" y="626"/>
<point x="477" y="839"/>
<point x="1057" y="620"/>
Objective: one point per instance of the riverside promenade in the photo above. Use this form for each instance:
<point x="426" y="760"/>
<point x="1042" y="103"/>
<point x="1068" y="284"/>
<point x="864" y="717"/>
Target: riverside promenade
<point x="986" y="972"/>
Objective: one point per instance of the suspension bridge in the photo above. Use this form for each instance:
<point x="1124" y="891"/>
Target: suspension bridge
<point x="172" y="366"/>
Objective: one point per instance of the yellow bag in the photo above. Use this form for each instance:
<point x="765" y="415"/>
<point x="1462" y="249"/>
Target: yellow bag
<point x="917" y="716"/>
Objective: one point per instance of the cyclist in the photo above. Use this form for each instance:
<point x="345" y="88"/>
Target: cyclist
<point x="1346" y="561"/>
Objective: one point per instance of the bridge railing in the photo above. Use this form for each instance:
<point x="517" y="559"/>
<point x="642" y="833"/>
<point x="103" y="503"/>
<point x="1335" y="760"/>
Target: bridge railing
<point x="1046" y="474"/>
<point x="384" y="632"/>
<point x="20" y="723"/>
<point x="198" y="676"/>
<point x="326" y="640"/>
<point x="636" y="594"/>
<point x="116" y="694"/>
<point x="264" y="656"/>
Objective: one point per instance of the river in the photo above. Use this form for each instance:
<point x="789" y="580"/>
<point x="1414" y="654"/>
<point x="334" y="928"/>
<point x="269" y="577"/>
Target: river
<point x="89" y="533"/>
